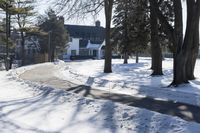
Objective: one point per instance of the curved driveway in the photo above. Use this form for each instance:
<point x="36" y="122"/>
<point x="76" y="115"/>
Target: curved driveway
<point x="45" y="75"/>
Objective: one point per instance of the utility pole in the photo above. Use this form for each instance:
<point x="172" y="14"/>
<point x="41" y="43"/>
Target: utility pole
<point x="7" y="35"/>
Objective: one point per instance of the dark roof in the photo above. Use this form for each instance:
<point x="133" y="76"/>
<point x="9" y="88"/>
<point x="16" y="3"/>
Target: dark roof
<point x="93" y="33"/>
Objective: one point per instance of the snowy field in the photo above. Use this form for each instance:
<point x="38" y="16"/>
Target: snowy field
<point x="27" y="107"/>
<point x="132" y="79"/>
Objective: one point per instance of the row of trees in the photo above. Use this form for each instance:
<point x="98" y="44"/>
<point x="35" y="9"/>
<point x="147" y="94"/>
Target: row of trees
<point x="20" y="15"/>
<point x="185" y="47"/>
<point x="131" y="31"/>
<point x="165" y="19"/>
<point x="136" y="22"/>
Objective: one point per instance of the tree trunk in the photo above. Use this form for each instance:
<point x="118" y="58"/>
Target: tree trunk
<point x="155" y="46"/>
<point x="126" y="34"/>
<point x="137" y="57"/>
<point x="7" y="36"/>
<point x="52" y="52"/>
<point x="194" y="54"/>
<point x="22" y="48"/>
<point x="152" y="59"/>
<point x="125" y="57"/>
<point x="186" y="61"/>
<point x="193" y="51"/>
<point x="108" y="49"/>
<point x="179" y="61"/>
<point x="186" y="52"/>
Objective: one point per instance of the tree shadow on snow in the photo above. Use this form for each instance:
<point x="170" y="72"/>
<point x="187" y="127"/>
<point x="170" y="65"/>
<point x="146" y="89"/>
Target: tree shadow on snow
<point x="44" y="102"/>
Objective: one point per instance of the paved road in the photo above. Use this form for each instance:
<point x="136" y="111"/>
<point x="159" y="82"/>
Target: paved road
<point x="44" y="75"/>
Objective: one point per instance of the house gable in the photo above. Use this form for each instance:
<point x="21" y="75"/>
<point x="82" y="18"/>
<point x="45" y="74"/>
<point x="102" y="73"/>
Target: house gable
<point x="95" y="34"/>
<point x="85" y="41"/>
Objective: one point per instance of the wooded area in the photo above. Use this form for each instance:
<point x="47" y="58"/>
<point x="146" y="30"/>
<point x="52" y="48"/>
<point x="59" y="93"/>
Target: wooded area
<point x="136" y="23"/>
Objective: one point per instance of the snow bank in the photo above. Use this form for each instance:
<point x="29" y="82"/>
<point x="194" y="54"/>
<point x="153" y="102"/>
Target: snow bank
<point x="29" y="107"/>
<point x="132" y="79"/>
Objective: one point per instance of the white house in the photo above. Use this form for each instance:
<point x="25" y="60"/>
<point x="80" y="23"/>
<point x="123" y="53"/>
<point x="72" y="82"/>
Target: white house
<point x="85" y="41"/>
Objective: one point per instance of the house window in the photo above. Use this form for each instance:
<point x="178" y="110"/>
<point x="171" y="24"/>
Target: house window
<point x="73" y="52"/>
<point x="84" y="52"/>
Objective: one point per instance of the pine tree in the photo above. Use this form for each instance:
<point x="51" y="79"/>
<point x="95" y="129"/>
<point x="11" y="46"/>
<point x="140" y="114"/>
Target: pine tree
<point x="57" y="34"/>
<point x="130" y="22"/>
<point x="22" y="13"/>
<point x="7" y="7"/>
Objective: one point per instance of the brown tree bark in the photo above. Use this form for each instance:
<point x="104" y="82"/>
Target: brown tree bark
<point x="155" y="46"/>
<point x="22" y="48"/>
<point x="53" y="53"/>
<point x="193" y="20"/>
<point x="152" y="60"/>
<point x="186" y="51"/>
<point x="126" y="34"/>
<point x="179" y="57"/>
<point x="137" y="57"/>
<point x="125" y="58"/>
<point x="108" y="5"/>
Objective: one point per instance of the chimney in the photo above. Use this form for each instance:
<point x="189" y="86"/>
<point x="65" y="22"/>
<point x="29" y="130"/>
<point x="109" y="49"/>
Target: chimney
<point x="97" y="23"/>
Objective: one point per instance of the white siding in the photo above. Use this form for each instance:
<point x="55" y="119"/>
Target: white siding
<point x="74" y="45"/>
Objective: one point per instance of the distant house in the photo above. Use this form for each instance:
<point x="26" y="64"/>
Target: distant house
<point x="86" y="41"/>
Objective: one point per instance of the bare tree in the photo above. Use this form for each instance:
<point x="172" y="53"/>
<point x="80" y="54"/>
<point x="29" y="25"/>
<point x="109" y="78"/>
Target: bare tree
<point x="82" y="7"/>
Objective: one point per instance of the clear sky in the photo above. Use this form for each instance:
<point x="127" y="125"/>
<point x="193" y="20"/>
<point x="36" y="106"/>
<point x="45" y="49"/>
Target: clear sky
<point x="90" y="20"/>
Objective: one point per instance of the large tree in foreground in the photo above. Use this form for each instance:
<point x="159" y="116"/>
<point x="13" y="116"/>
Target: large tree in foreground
<point x="156" y="52"/>
<point x="108" y="7"/>
<point x="186" y="48"/>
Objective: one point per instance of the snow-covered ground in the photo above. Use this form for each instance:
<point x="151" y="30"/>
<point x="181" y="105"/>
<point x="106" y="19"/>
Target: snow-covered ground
<point x="27" y="107"/>
<point x="132" y="79"/>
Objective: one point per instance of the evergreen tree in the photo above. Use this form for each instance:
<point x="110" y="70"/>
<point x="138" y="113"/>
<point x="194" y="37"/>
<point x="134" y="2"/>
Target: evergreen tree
<point x="7" y="7"/>
<point x="57" y="34"/>
<point x="22" y="13"/>
<point x="130" y="29"/>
